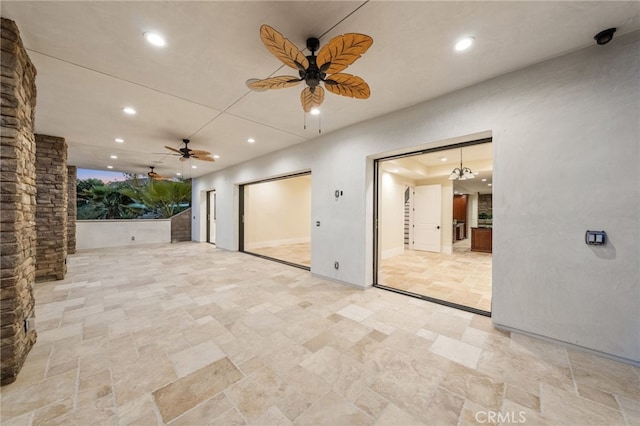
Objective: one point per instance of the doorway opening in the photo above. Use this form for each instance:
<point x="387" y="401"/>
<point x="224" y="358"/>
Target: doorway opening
<point x="211" y="217"/>
<point x="434" y="231"/>
<point x="275" y="219"/>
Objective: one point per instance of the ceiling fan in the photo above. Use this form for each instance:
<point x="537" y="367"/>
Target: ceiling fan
<point x="187" y="153"/>
<point x="325" y="67"/>
<point x="155" y="176"/>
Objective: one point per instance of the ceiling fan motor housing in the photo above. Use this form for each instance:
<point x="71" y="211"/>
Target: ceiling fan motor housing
<point x="313" y="44"/>
<point x="313" y="75"/>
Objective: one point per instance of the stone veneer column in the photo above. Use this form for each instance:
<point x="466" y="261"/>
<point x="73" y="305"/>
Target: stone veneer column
<point x="51" y="208"/>
<point x="17" y="202"/>
<point x="72" y="209"/>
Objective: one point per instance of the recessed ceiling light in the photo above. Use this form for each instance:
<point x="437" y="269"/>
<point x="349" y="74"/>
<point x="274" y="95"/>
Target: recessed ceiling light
<point x="114" y="157"/>
<point x="119" y="140"/>
<point x="109" y="167"/>
<point x="251" y="140"/>
<point x="443" y="158"/>
<point x="178" y="174"/>
<point x="464" y="44"/>
<point x="489" y="184"/>
<point x="155" y="39"/>
<point x="129" y="110"/>
<point x="315" y="111"/>
<point x="484" y="180"/>
<point x="216" y="156"/>
<point x="395" y="170"/>
<point x="194" y="167"/>
<point x="476" y="173"/>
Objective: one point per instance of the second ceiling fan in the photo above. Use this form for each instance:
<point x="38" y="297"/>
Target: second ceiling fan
<point x="155" y="176"/>
<point x="325" y="67"/>
<point x="187" y="153"/>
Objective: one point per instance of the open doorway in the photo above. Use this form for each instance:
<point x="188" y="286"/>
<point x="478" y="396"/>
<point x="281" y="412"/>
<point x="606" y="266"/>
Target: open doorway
<point x="434" y="230"/>
<point x="276" y="219"/>
<point x="211" y="217"/>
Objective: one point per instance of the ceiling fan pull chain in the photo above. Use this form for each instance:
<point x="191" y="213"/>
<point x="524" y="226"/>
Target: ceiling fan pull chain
<point x="305" y="120"/>
<point x="319" y="123"/>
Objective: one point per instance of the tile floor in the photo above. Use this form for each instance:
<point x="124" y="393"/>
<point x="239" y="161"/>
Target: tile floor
<point x="463" y="277"/>
<point x="300" y="253"/>
<point x="187" y="334"/>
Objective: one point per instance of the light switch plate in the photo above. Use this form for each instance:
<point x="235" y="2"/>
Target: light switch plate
<point x="595" y="238"/>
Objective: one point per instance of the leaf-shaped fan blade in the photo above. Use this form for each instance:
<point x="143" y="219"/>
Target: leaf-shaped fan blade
<point x="203" y="158"/>
<point x="194" y="152"/>
<point x="173" y="149"/>
<point x="310" y="100"/>
<point x="282" y="48"/>
<point x="278" y="82"/>
<point x="342" y="51"/>
<point x="156" y="176"/>
<point x="348" y="85"/>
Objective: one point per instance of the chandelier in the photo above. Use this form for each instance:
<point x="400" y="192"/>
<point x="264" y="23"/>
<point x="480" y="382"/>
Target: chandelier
<point x="461" y="173"/>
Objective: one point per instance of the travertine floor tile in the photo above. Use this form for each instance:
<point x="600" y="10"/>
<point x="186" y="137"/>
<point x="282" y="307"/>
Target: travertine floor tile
<point x="195" y="357"/>
<point x="355" y="312"/>
<point x="332" y="409"/>
<point x="206" y="412"/>
<point x="224" y="338"/>
<point x="558" y="406"/>
<point x="457" y="351"/>
<point x="393" y="416"/>
<point x="187" y="392"/>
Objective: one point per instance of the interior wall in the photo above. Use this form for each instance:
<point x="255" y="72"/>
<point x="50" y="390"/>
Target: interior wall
<point x="583" y="106"/>
<point x="472" y="213"/>
<point x="391" y="213"/>
<point x="277" y="212"/>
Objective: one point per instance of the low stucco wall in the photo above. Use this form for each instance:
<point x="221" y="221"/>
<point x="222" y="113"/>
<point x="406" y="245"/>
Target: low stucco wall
<point x="93" y="234"/>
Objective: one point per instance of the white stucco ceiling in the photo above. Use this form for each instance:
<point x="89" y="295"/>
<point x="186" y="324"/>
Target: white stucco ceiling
<point x="92" y="61"/>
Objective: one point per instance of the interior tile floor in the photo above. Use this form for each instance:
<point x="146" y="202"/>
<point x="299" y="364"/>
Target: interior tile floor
<point x="462" y="277"/>
<point x="299" y="253"/>
<point x="187" y="334"/>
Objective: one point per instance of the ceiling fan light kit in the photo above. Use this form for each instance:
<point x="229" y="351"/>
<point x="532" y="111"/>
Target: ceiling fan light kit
<point x="324" y="69"/>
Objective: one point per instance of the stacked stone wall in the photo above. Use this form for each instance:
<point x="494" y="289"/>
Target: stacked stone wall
<point x="485" y="204"/>
<point x="51" y="210"/>
<point x="17" y="202"/>
<point x="181" y="226"/>
<point x="72" y="208"/>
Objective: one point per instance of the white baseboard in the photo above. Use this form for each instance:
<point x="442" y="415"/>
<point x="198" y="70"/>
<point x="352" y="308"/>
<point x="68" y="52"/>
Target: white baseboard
<point x="395" y="251"/>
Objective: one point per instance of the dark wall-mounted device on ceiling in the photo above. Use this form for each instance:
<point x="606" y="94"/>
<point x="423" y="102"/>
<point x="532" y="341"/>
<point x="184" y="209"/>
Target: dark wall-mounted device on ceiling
<point x="604" y="37"/>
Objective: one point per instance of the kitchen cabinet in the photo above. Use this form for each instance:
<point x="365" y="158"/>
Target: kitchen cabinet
<point x="481" y="239"/>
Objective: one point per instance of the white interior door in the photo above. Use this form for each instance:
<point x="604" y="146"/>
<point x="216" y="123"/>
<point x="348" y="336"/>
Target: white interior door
<point x="211" y="238"/>
<point x="427" y="217"/>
